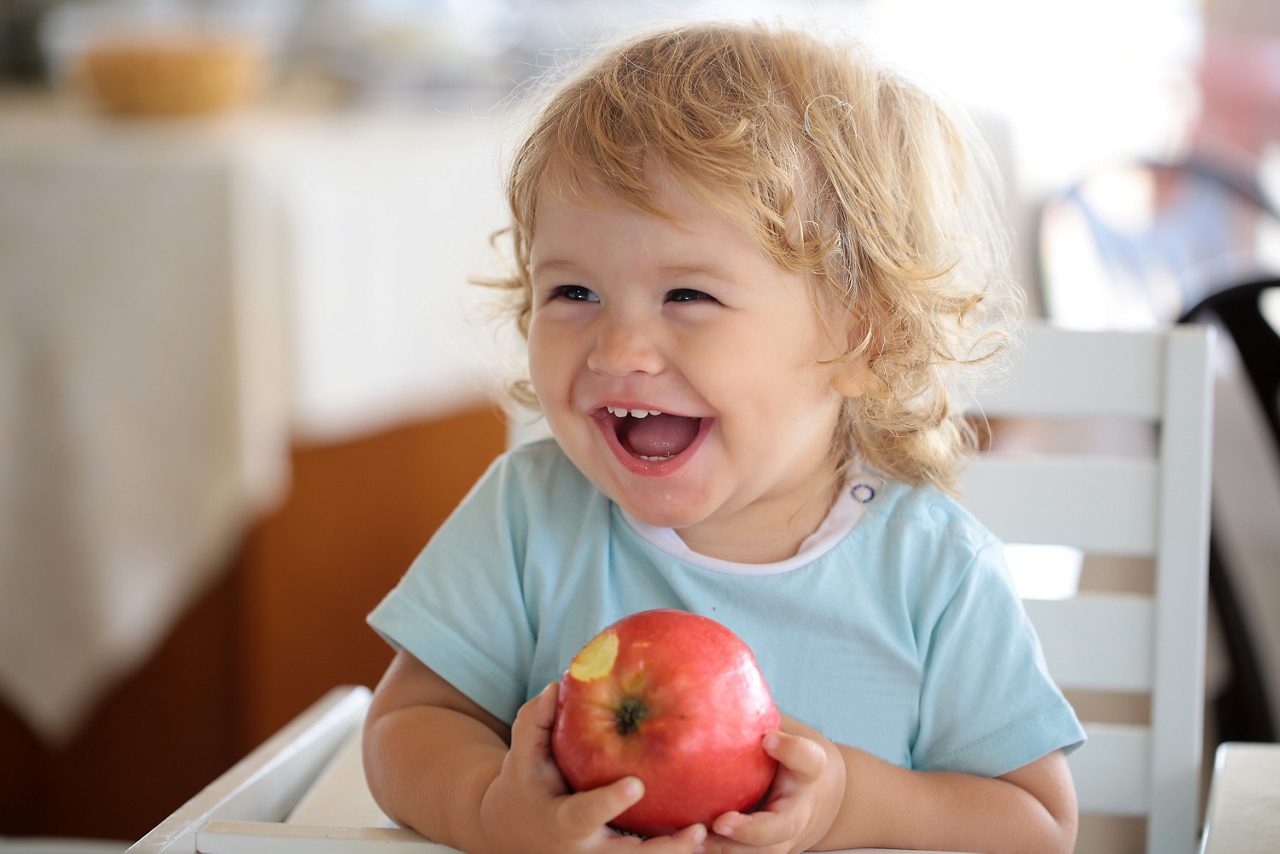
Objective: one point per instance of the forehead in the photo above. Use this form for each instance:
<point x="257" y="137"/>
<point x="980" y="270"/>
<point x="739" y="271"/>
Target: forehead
<point x="576" y="207"/>
<point x="656" y="191"/>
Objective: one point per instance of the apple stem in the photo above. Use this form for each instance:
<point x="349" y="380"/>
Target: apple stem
<point x="629" y="715"/>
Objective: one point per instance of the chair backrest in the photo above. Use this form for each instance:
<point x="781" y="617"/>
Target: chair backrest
<point x="1240" y="310"/>
<point x="1244" y="589"/>
<point x="1153" y="506"/>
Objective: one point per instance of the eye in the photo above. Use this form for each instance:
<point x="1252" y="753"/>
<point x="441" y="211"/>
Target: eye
<point x="573" y="293"/>
<point x="688" y="295"/>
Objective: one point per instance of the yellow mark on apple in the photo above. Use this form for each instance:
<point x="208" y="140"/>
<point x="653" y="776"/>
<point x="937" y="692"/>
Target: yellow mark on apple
<point x="596" y="658"/>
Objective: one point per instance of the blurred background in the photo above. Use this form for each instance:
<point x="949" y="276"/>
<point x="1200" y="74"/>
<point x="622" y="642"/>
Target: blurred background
<point x="243" y="376"/>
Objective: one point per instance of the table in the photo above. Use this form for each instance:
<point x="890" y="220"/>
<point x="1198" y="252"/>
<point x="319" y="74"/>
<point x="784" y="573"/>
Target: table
<point x="179" y="302"/>
<point x="1243" y="815"/>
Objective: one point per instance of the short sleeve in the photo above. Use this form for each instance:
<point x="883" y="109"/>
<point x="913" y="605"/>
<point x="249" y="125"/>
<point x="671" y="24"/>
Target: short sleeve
<point x="988" y="705"/>
<point x="459" y="608"/>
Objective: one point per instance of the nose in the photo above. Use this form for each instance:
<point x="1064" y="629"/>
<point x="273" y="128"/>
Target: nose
<point x="625" y="347"/>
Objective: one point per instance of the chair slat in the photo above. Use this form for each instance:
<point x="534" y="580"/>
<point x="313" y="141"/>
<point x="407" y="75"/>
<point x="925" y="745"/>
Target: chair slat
<point x="1111" y="770"/>
<point x="1095" y="375"/>
<point x="1097" y="641"/>
<point x="1100" y="505"/>
<point x="1181" y="589"/>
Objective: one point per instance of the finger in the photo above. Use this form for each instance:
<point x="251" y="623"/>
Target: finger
<point x="541" y="710"/>
<point x="580" y="813"/>
<point x="803" y="757"/>
<point x="688" y="839"/>
<point x="530" y="751"/>
<point x="754" y="830"/>
<point x="534" y="719"/>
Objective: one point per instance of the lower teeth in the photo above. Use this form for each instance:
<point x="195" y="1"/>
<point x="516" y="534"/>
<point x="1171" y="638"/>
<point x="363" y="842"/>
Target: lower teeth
<point x="648" y="459"/>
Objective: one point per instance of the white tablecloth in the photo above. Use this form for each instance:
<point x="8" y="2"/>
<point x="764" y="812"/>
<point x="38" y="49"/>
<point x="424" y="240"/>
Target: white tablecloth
<point x="178" y="302"/>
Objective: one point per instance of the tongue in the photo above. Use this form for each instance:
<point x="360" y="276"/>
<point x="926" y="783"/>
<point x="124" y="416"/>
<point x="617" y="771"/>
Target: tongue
<point x="658" y="435"/>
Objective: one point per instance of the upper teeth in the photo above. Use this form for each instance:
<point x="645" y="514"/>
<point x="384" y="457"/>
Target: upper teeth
<point x="634" y="413"/>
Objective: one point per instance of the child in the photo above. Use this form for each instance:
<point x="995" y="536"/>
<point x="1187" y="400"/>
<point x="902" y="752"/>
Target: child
<point x="748" y="266"/>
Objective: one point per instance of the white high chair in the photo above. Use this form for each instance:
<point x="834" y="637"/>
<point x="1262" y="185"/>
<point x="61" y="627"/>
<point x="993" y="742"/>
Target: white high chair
<point x="304" y="791"/>
<point x="1153" y="503"/>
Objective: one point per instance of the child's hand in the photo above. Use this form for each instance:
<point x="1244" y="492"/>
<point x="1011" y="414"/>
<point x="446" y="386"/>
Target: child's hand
<point x="529" y="807"/>
<point x="800" y="806"/>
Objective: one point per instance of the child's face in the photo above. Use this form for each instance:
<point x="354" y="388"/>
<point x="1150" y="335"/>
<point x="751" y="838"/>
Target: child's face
<point x="688" y="318"/>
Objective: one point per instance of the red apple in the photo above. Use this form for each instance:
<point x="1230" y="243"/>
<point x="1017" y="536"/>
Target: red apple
<point x="677" y="700"/>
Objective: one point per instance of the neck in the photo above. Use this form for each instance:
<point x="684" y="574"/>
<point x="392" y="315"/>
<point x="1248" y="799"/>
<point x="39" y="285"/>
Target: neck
<point x="772" y="533"/>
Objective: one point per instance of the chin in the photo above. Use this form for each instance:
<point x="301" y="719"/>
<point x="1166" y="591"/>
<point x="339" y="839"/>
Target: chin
<point x="662" y="516"/>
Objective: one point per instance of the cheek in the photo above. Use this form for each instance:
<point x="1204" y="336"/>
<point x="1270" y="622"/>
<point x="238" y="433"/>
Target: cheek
<point x="537" y="358"/>
<point x="549" y="358"/>
<point x="794" y="373"/>
<point x="539" y="369"/>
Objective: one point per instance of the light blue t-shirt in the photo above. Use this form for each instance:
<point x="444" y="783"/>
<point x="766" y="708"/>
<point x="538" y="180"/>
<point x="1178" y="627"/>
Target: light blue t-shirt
<point x="903" y="638"/>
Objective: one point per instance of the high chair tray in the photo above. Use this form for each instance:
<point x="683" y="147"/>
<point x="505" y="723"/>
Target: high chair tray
<point x="301" y="792"/>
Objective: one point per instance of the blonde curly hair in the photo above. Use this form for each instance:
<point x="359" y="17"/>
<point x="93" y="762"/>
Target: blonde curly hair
<point x="841" y="169"/>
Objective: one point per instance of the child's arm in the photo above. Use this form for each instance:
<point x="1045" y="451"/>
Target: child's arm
<point x="1030" y="809"/>
<point x="882" y="805"/>
<point x="439" y="763"/>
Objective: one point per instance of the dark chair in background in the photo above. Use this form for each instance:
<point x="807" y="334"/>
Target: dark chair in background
<point x="1239" y="310"/>
<point x="1243" y="709"/>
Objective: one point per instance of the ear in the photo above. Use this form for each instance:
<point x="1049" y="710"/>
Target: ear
<point x="852" y="379"/>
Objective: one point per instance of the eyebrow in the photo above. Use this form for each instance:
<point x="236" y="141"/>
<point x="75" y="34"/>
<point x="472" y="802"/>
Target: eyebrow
<point x="707" y="270"/>
<point x="555" y="263"/>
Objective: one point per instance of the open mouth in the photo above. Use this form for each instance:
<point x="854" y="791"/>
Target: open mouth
<point x="651" y="435"/>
